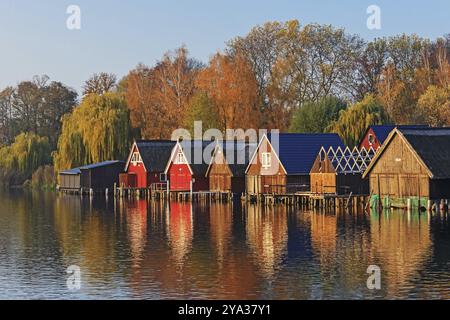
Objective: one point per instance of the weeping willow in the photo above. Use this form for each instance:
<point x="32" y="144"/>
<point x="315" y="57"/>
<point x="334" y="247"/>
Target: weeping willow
<point x="28" y="152"/>
<point x="97" y="130"/>
<point x="354" y="121"/>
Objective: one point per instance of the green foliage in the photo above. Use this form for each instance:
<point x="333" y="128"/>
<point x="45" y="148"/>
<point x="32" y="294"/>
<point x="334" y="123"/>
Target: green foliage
<point x="353" y="122"/>
<point x="44" y="178"/>
<point x="19" y="160"/>
<point x="201" y="108"/>
<point x="316" y="116"/>
<point x="97" y="130"/>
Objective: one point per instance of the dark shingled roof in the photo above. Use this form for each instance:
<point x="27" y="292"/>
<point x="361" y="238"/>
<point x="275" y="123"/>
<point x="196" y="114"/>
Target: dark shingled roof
<point x="433" y="146"/>
<point x="155" y="153"/>
<point x="237" y="155"/>
<point x="196" y="152"/>
<point x="382" y="131"/>
<point x="298" y="151"/>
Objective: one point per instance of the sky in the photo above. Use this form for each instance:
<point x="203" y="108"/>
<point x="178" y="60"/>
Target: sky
<point x="116" y="35"/>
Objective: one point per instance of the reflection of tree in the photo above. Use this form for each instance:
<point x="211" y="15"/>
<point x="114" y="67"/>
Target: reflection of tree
<point x="180" y="230"/>
<point x="137" y="228"/>
<point x="221" y="219"/>
<point x="86" y="236"/>
<point x="401" y="242"/>
<point x="266" y="231"/>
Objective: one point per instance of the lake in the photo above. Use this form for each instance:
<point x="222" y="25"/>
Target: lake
<point x="134" y="249"/>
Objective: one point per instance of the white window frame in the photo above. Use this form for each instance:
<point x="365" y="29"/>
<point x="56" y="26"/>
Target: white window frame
<point x="371" y="139"/>
<point x="136" y="158"/>
<point x="266" y="159"/>
<point x="180" y="159"/>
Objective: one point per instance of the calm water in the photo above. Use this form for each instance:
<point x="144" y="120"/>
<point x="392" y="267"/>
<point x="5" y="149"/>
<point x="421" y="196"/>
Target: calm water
<point x="135" y="250"/>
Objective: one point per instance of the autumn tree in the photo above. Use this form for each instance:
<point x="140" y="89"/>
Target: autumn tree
<point x="261" y="48"/>
<point x="100" y="83"/>
<point x="316" y="116"/>
<point x="231" y="86"/>
<point x="434" y="105"/>
<point x="97" y="130"/>
<point x="354" y="121"/>
<point x="158" y="96"/>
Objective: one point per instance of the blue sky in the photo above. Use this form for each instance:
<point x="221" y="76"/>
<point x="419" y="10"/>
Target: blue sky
<point x="116" y="35"/>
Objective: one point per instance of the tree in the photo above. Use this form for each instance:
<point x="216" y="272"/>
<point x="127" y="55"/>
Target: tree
<point x="35" y="106"/>
<point x="158" y="96"/>
<point x="434" y="105"/>
<point x="97" y="130"/>
<point x="57" y="100"/>
<point x="28" y="152"/>
<point x="7" y="125"/>
<point x="371" y="64"/>
<point x="315" y="61"/>
<point x="260" y="47"/>
<point x="231" y="85"/>
<point x="201" y="108"/>
<point x="317" y="116"/>
<point x="100" y="83"/>
<point x="354" y="121"/>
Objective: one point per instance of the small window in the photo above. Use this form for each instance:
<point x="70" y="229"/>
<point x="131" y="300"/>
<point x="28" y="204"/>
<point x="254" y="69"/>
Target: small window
<point x="162" y="177"/>
<point x="180" y="158"/>
<point x="371" y="139"/>
<point x="136" y="158"/>
<point x="266" y="159"/>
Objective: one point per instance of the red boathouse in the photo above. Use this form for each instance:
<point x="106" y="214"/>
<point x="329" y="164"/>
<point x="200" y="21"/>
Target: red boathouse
<point x="186" y="169"/>
<point x="146" y="163"/>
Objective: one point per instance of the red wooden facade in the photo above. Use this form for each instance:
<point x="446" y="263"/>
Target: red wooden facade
<point x="370" y="140"/>
<point x="145" y="165"/>
<point x="183" y="176"/>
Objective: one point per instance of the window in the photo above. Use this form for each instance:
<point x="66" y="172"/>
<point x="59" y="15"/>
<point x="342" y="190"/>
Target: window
<point x="371" y="139"/>
<point x="266" y="159"/>
<point x="163" y="177"/>
<point x="180" y="158"/>
<point x="136" y="158"/>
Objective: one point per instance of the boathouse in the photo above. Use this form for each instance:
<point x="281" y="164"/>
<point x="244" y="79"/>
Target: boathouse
<point x="375" y="135"/>
<point x="146" y="163"/>
<point x="187" y="166"/>
<point x="339" y="171"/>
<point x="282" y="162"/>
<point x="412" y="163"/>
<point x="95" y="177"/>
<point x="226" y="172"/>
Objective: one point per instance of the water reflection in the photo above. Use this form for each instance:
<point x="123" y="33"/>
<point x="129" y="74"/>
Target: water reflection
<point x="139" y="249"/>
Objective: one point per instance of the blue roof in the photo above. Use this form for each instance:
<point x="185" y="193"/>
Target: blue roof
<point x="90" y="166"/>
<point x="382" y="131"/>
<point x="298" y="151"/>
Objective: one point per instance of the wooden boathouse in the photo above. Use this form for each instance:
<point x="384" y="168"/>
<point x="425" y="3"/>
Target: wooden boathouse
<point x="339" y="171"/>
<point x="413" y="163"/>
<point x="282" y="162"/>
<point x="186" y="168"/>
<point x="146" y="163"/>
<point x="226" y="172"/>
<point x="97" y="177"/>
